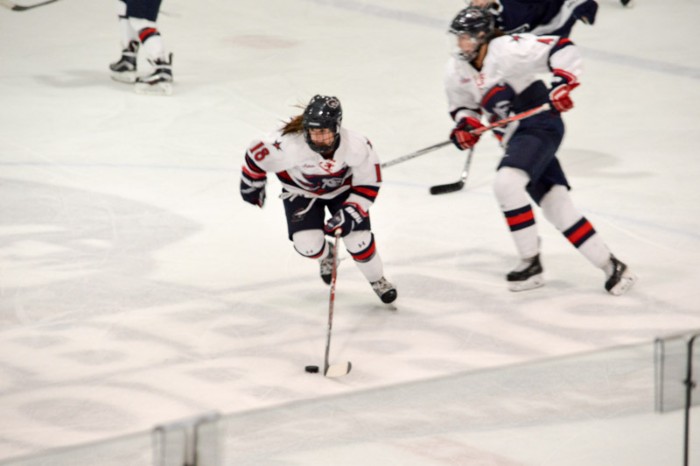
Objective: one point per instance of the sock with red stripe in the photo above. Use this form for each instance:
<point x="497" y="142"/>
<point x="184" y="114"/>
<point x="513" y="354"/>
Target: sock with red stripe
<point x="150" y="38"/>
<point x="509" y="187"/>
<point x="559" y="209"/>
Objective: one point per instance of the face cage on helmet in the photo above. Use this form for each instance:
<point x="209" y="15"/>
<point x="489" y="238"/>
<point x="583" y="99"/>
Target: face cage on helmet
<point x="318" y="148"/>
<point x="459" y="53"/>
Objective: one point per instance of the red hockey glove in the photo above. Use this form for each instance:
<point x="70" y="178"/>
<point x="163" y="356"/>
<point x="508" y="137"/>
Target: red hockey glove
<point x="346" y="219"/>
<point x="559" y="96"/>
<point x="461" y="135"/>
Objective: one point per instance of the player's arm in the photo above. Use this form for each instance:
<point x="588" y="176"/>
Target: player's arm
<point x="366" y="181"/>
<point x="254" y="173"/>
<point x="464" y="109"/>
<point x="566" y="65"/>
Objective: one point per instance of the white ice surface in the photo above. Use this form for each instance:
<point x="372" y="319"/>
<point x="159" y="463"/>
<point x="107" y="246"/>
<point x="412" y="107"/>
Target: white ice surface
<point x="136" y="287"/>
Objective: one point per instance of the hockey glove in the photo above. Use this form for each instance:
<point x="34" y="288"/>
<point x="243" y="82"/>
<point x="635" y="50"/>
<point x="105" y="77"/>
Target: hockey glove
<point x="346" y="219"/>
<point x="562" y="85"/>
<point x="461" y="135"/>
<point x="253" y="192"/>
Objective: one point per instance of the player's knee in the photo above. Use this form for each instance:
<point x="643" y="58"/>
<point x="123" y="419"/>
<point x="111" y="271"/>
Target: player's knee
<point x="360" y="245"/>
<point x="309" y="243"/>
<point x="558" y="208"/>
<point x="508" y="183"/>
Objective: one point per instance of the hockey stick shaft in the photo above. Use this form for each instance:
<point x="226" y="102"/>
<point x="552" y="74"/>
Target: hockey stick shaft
<point x="334" y="370"/>
<point x="415" y="154"/>
<point x="477" y="132"/>
<point x="15" y="7"/>
<point x="511" y="119"/>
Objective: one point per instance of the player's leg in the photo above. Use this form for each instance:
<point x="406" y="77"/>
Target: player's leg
<point x="510" y="189"/>
<point x="527" y="156"/>
<point x="305" y="229"/>
<point x="142" y="16"/>
<point x="363" y="250"/>
<point x="124" y="69"/>
<point x="559" y="209"/>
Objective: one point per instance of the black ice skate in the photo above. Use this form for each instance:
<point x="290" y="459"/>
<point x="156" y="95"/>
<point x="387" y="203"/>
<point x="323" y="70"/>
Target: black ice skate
<point x="385" y="290"/>
<point x="124" y="69"/>
<point x="326" y="265"/>
<point x="621" y="279"/>
<point x="527" y="275"/>
<point x="160" y="81"/>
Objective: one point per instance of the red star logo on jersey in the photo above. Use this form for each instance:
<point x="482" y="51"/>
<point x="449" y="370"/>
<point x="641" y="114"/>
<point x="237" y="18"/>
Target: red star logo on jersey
<point x="516" y="38"/>
<point x="277" y="144"/>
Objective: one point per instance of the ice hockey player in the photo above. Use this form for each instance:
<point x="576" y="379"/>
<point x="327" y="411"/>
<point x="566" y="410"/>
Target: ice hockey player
<point x="322" y="165"/>
<point x="138" y="29"/>
<point x="498" y="75"/>
<point x="541" y="17"/>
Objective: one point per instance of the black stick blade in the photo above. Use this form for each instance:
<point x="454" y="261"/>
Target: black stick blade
<point x="447" y="188"/>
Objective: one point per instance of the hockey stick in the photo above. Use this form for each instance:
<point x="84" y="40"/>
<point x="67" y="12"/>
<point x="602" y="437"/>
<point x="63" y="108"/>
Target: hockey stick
<point x="458" y="185"/>
<point x="517" y="117"/>
<point x="15" y="7"/>
<point x="340" y="369"/>
<point x="415" y="154"/>
<point x="482" y="130"/>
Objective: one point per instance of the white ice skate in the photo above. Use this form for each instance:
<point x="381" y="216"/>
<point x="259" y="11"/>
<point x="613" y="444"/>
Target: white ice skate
<point x="160" y="81"/>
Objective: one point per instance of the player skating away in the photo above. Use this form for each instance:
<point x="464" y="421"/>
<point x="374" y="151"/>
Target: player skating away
<point x="499" y="75"/>
<point x="541" y="17"/>
<point x="322" y="166"/>
<point x="138" y="30"/>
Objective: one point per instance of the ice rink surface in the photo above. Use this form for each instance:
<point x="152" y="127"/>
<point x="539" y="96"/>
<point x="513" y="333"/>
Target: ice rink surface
<point x="136" y="287"/>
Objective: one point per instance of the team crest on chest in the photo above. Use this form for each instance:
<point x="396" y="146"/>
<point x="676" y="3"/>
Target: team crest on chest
<point x="327" y="166"/>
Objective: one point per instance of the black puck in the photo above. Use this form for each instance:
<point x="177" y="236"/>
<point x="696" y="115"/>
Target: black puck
<point x="311" y="369"/>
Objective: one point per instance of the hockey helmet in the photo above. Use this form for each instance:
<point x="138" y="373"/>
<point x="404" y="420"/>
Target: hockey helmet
<point x="477" y="23"/>
<point x="322" y="112"/>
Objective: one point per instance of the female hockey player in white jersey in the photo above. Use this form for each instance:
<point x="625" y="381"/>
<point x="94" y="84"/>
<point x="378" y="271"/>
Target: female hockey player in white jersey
<point x="322" y="165"/>
<point x="499" y="75"/>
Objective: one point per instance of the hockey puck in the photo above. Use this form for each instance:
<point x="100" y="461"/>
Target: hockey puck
<point x="311" y="369"/>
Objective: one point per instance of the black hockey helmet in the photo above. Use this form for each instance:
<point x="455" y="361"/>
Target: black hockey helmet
<point x="478" y="23"/>
<point x="322" y="112"/>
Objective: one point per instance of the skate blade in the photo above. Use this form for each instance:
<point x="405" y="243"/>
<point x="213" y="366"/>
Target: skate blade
<point x="533" y="282"/>
<point x="163" y="88"/>
<point x="626" y="282"/>
<point x="128" y="77"/>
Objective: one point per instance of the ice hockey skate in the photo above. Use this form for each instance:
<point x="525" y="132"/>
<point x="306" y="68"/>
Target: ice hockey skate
<point x="160" y="81"/>
<point x="527" y="275"/>
<point x="124" y="69"/>
<point x="326" y="265"/>
<point x="385" y="290"/>
<point x="621" y="279"/>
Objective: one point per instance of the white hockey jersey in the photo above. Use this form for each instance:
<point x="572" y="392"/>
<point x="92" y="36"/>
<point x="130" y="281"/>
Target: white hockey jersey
<point x="513" y="62"/>
<point x="355" y="166"/>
